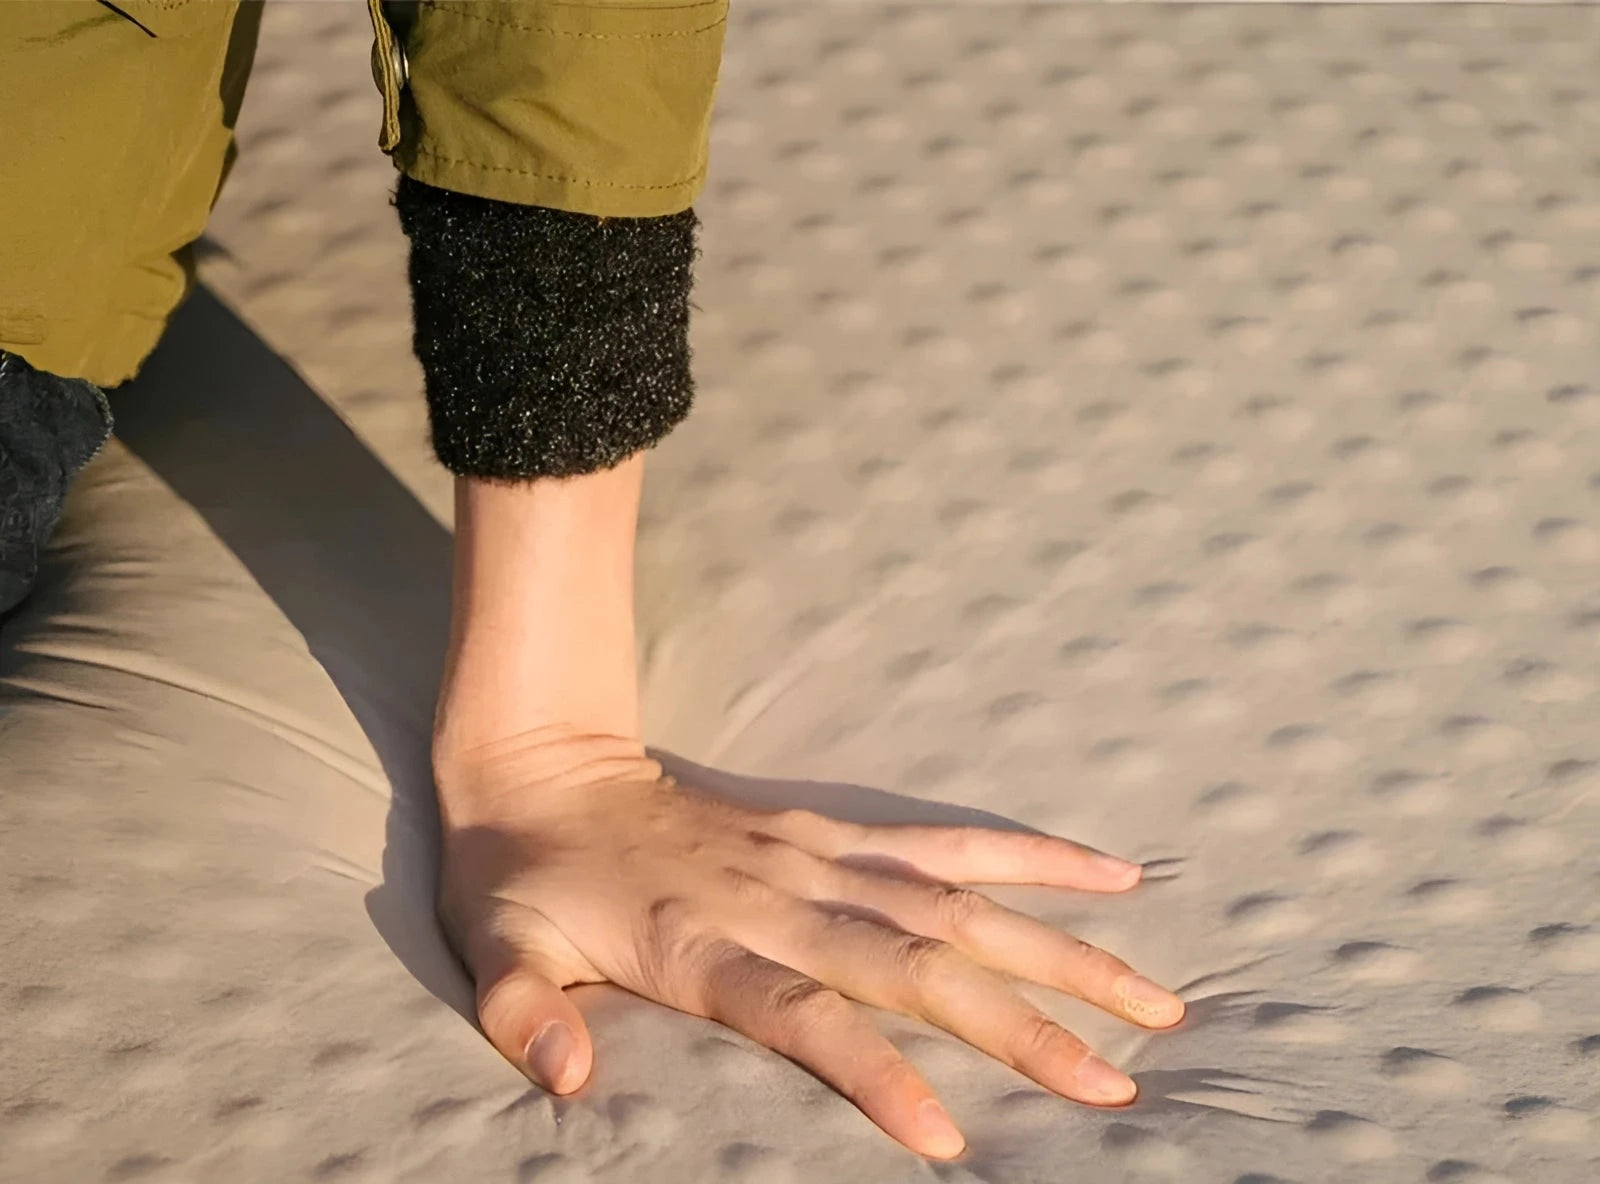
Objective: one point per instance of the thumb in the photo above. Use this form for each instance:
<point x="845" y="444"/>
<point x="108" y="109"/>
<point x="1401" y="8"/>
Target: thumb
<point x="536" y="1027"/>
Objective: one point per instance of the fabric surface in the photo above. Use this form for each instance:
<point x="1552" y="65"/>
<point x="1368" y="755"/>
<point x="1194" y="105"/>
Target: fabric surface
<point x="553" y="343"/>
<point x="1169" y="426"/>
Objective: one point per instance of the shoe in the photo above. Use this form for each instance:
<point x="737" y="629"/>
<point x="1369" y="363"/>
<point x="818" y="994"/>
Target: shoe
<point x="50" y="428"/>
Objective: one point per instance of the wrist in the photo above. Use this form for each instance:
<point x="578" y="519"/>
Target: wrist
<point x="511" y="778"/>
<point x="542" y="638"/>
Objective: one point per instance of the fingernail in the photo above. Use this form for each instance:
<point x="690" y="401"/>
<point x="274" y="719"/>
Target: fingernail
<point x="1103" y="1083"/>
<point x="1147" y="1000"/>
<point x="940" y="1133"/>
<point x="548" y="1053"/>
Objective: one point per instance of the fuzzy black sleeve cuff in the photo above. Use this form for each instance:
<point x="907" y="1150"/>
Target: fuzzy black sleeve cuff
<point x="552" y="343"/>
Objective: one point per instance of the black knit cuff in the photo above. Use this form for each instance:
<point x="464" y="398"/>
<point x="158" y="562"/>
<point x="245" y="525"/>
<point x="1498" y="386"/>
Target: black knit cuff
<point x="552" y="343"/>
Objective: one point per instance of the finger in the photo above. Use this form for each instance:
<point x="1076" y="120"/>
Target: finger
<point x="982" y="855"/>
<point x="781" y="1008"/>
<point x="934" y="981"/>
<point x="533" y="1024"/>
<point x="1013" y="942"/>
<point x="985" y="930"/>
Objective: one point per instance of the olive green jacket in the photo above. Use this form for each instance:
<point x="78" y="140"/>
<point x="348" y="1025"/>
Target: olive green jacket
<point x="602" y="108"/>
<point x="116" y="130"/>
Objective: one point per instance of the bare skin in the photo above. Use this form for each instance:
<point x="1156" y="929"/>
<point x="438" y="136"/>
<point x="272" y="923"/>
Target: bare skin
<point x="568" y="856"/>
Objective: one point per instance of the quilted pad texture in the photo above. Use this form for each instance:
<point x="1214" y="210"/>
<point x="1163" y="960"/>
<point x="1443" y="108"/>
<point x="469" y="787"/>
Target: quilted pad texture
<point x="1171" y="427"/>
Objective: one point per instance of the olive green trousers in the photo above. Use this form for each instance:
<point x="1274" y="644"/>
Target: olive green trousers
<point x="116" y="134"/>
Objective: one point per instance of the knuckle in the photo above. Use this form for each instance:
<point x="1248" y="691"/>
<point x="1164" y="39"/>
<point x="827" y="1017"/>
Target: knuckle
<point x="898" y="1074"/>
<point x="492" y="1002"/>
<point x="722" y="975"/>
<point x="790" y="866"/>
<point x="748" y="889"/>
<point x="798" y="821"/>
<point x="807" y="873"/>
<point x="1083" y="957"/>
<point x="668" y="916"/>
<point x="924" y="959"/>
<point x="671" y="941"/>
<point x="891" y="1077"/>
<point x="1039" y="844"/>
<point x="843" y="920"/>
<point x="958" y="907"/>
<point x="1040" y="1036"/>
<point x="821" y="830"/>
<point x="804" y="1004"/>
<point x="1098" y="960"/>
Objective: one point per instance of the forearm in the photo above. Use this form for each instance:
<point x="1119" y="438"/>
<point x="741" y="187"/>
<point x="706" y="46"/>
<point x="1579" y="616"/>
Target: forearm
<point x="542" y="633"/>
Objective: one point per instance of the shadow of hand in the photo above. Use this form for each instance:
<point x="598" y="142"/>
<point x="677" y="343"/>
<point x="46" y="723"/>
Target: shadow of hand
<point x="362" y="570"/>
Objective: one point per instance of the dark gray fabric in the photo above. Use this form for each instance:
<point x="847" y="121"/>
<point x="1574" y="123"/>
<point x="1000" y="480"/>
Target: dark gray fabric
<point x="552" y="343"/>
<point x="50" y="428"/>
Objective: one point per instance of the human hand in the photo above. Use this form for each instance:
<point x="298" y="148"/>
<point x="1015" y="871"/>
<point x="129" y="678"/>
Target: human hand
<point x="572" y="859"/>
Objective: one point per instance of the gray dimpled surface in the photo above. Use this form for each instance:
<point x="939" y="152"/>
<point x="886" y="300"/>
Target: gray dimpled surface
<point x="1170" y="427"/>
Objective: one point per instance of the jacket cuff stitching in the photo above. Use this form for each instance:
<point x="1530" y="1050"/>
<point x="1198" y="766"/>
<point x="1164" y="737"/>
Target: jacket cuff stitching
<point x="421" y="150"/>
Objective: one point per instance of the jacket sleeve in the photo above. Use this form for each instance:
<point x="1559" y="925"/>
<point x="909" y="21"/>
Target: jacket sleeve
<point x="598" y="106"/>
<point x="549" y="154"/>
